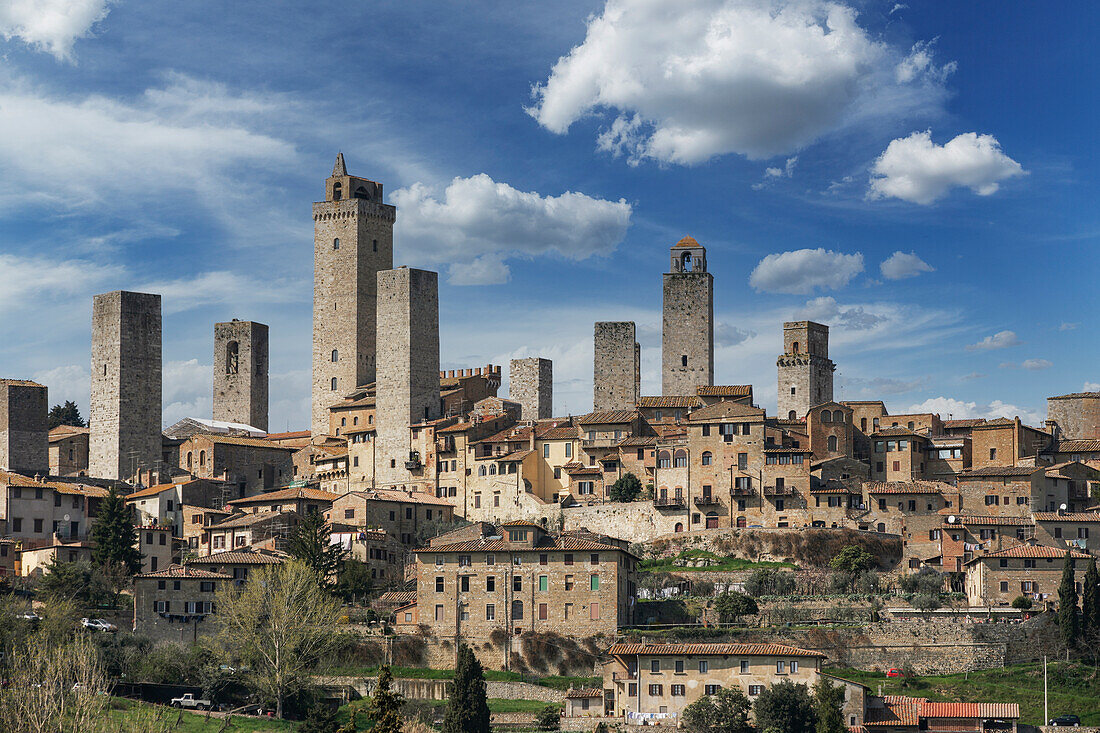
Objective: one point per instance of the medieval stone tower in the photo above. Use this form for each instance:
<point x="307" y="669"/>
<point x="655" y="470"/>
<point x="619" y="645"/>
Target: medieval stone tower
<point x="408" y="371"/>
<point x="805" y="370"/>
<point x="126" y="384"/>
<point x="24" y="435"/>
<point x="616" y="366"/>
<point x="531" y="384"/>
<point x="352" y="242"/>
<point x="687" y="351"/>
<point x="240" y="373"/>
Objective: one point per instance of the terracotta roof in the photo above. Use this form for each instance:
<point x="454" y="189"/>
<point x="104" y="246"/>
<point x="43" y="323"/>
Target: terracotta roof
<point x="549" y="542"/>
<point x="61" y="432"/>
<point x="951" y="424"/>
<point x="515" y="434"/>
<point x="907" y="487"/>
<point x="247" y="520"/>
<point x="16" y="479"/>
<point x="687" y="242"/>
<point x="288" y="436"/>
<point x="638" y="441"/>
<point x="1076" y="396"/>
<point x="669" y="402"/>
<point x="398" y="596"/>
<point x="514" y="456"/>
<point x="185" y="571"/>
<point x="237" y="557"/>
<point x="969" y="710"/>
<point x="583" y="692"/>
<point x="286" y="494"/>
<point x="726" y="409"/>
<point x="406" y="497"/>
<point x="724" y="390"/>
<point x="580" y="468"/>
<point x="1074" y="446"/>
<point x="568" y="432"/>
<point x="247" y="442"/>
<point x="1067" y="517"/>
<point x="999" y="471"/>
<point x="997" y="521"/>
<point x="744" y="650"/>
<point x="1032" y="551"/>
<point x="608" y="417"/>
<point x="834" y="489"/>
<point x="896" y="431"/>
<point x="522" y="523"/>
<point x="159" y="488"/>
<point x="20" y="383"/>
<point x="786" y="449"/>
<point x="894" y="713"/>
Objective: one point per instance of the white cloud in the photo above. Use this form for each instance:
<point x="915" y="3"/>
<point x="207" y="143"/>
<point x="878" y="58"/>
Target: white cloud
<point x="803" y="270"/>
<point x="51" y="25"/>
<point x="826" y="310"/>
<point x="999" y="340"/>
<point x="726" y="334"/>
<point x="478" y="220"/>
<point x="1034" y="365"/>
<point x="901" y="265"/>
<point x="187" y="390"/>
<point x="28" y="279"/>
<point x="916" y="169"/>
<point x="68" y="382"/>
<point x="897" y="7"/>
<point x="951" y="408"/>
<point x="772" y="173"/>
<point x="1068" y="326"/>
<point x="758" y="78"/>
<point x="221" y="287"/>
<point x="1091" y="387"/>
<point x="919" y="63"/>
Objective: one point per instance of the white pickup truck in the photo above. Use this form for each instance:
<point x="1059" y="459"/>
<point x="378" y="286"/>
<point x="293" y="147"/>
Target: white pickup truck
<point x="189" y="701"/>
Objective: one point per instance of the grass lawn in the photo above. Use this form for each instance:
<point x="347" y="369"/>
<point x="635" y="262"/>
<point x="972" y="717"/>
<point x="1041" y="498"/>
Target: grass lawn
<point x="668" y="564"/>
<point x="134" y="715"/>
<point x="1074" y="688"/>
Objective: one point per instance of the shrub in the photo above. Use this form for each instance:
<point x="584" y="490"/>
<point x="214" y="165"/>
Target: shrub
<point x="732" y="606"/>
<point x="1023" y="603"/>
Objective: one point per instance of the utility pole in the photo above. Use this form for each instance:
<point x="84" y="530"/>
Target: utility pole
<point x="1046" y="702"/>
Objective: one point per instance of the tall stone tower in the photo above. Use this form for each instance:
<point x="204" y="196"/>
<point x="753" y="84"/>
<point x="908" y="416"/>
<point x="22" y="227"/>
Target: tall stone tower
<point x="24" y="435"/>
<point x="352" y="242"/>
<point x="804" y="368"/>
<point x="240" y="373"/>
<point x="687" y="350"/>
<point x="408" y="371"/>
<point x="616" y="366"/>
<point x="531" y="384"/>
<point x="125" y="408"/>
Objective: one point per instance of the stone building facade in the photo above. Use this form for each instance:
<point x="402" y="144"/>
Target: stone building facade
<point x="240" y="373"/>
<point x="68" y="451"/>
<point x="24" y="435"/>
<point x="531" y="384"/>
<point x="687" y="332"/>
<point x="616" y="366"/>
<point x="125" y="411"/>
<point x="1075" y="416"/>
<point x="175" y="604"/>
<point x="353" y="241"/>
<point x="1029" y="570"/>
<point x="408" y="372"/>
<point x="804" y="369"/>
<point x="252" y="464"/>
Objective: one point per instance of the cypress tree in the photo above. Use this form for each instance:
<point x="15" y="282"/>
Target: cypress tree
<point x="385" y="704"/>
<point x="468" y="709"/>
<point x="1090" y="600"/>
<point x="311" y="544"/>
<point x="114" y="536"/>
<point x="1068" y="620"/>
<point x="829" y="707"/>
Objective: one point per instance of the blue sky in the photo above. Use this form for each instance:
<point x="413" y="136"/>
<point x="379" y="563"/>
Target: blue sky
<point x="543" y="158"/>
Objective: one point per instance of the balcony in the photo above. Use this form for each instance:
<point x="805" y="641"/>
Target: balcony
<point x="779" y="491"/>
<point x="413" y="464"/>
<point x="706" y="500"/>
<point x="668" y="501"/>
<point x="628" y="675"/>
<point x="743" y="491"/>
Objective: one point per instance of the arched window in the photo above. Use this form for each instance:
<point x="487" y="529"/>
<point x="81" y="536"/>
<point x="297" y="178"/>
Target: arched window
<point x="685" y="262"/>
<point x="863" y="424"/>
<point x="336" y="243"/>
<point x="792" y="415"/>
<point x="664" y="459"/>
<point x="838" y="416"/>
<point x="742" y="522"/>
<point x="202" y="458"/>
<point x="680" y="459"/>
<point x="189" y="458"/>
<point x="370" y="419"/>
<point x="481" y="470"/>
<point x="337" y="191"/>
<point x="794" y="348"/>
<point x="707" y="458"/>
<point x="832" y="444"/>
<point x="826" y="416"/>
<point x="712" y="520"/>
<point x="335" y="355"/>
<point x="911" y="425"/>
<point x="517" y="610"/>
<point x="333" y="384"/>
<point x="679" y="527"/>
<point x="232" y="358"/>
<point x="355" y="420"/>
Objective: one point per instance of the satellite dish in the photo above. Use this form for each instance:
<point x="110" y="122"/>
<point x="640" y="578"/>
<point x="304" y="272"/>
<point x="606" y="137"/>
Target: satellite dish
<point x="1062" y="507"/>
<point x="66" y="517"/>
<point x="951" y="519"/>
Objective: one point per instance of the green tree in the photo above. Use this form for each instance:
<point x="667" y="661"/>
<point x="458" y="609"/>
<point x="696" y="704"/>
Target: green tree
<point x="732" y="606"/>
<point x="853" y="559"/>
<point x="67" y="414"/>
<point x="353" y="581"/>
<point x="78" y="582"/>
<point x="385" y="704"/>
<point x="829" y="707"/>
<point x="1090" y="600"/>
<point x="312" y="544"/>
<point x="114" y="537"/>
<point x="468" y="708"/>
<point x="1069" y="621"/>
<point x="767" y="582"/>
<point x="1022" y="603"/>
<point x="784" y="708"/>
<point x="549" y="718"/>
<point x="280" y="625"/>
<point x="321" y="719"/>
<point x="726" y="711"/>
<point x="627" y="488"/>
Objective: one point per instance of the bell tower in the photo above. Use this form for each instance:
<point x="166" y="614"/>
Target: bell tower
<point x="352" y="242"/>
<point x="687" y="349"/>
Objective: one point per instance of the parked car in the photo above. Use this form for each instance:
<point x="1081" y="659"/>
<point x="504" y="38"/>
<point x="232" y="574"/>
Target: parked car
<point x="895" y="672"/>
<point x="1071" y="720"/>
<point x="191" y="702"/>
<point x="98" y="624"/>
<point x="29" y="616"/>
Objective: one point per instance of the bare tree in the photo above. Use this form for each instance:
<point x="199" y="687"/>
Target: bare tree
<point x="54" y="688"/>
<point x="280" y="624"/>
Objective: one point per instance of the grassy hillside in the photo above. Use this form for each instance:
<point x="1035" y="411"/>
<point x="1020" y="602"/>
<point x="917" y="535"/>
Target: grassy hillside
<point x="1074" y="688"/>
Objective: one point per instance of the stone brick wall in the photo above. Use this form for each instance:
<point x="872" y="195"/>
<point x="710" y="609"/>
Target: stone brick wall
<point x="531" y="384"/>
<point x="808" y="369"/>
<point x="24" y="437"/>
<point x="1077" y="416"/>
<point x="125" y="411"/>
<point x="344" y="290"/>
<point x="687" y="331"/>
<point x="408" y="370"/>
<point x="615" y="368"/>
<point x="240" y="373"/>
